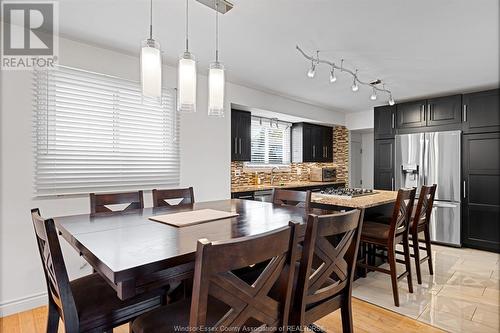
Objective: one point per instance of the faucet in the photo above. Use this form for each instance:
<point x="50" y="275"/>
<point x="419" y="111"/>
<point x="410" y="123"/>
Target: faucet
<point x="273" y="175"/>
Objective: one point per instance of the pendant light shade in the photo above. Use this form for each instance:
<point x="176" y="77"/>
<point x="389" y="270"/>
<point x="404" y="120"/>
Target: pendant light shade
<point x="186" y="76"/>
<point x="151" y="68"/>
<point x="186" y="85"/>
<point x="216" y="89"/>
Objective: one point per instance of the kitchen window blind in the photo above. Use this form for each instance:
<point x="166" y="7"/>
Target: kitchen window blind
<point x="97" y="133"/>
<point x="270" y="142"/>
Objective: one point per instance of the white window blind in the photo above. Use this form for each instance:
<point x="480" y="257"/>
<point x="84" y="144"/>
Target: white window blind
<point x="96" y="133"/>
<point x="270" y="142"/>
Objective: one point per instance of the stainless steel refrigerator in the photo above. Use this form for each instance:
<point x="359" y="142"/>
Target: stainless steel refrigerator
<point x="433" y="158"/>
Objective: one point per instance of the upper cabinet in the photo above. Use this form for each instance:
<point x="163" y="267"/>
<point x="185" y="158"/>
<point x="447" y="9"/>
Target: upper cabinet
<point x="481" y="112"/>
<point x="241" y="142"/>
<point x="444" y="110"/>
<point x="411" y="114"/>
<point x="312" y="143"/>
<point x="385" y="122"/>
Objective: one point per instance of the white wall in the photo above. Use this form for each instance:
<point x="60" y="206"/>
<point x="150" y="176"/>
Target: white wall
<point x="367" y="145"/>
<point x="359" y="120"/>
<point x="205" y="163"/>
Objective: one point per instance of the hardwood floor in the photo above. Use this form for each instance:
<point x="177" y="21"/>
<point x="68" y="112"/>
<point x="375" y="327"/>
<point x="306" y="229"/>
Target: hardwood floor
<point x="367" y="318"/>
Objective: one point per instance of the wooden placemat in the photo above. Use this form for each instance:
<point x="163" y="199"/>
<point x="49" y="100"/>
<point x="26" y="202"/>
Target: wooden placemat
<point x="184" y="219"/>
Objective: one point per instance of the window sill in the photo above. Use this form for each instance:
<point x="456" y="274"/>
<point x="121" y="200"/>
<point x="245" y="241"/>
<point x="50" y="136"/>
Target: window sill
<point x="266" y="167"/>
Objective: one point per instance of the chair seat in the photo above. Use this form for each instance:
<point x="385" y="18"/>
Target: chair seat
<point x="375" y="230"/>
<point x="98" y="306"/>
<point x="175" y="317"/>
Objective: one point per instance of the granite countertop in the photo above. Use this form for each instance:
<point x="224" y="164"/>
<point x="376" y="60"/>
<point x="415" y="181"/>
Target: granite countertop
<point x="250" y="188"/>
<point x="380" y="198"/>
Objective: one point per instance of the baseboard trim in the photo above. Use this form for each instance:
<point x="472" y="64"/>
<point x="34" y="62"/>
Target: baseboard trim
<point x="23" y="304"/>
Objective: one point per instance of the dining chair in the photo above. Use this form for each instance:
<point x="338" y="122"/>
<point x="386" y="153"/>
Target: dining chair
<point x="327" y="268"/>
<point x="387" y="236"/>
<point x="160" y="197"/>
<point x="99" y="202"/>
<point x="87" y="304"/>
<point x="420" y="223"/>
<point x="221" y="301"/>
<point x="292" y="198"/>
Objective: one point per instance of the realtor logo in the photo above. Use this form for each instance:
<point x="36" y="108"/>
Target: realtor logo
<point x="29" y="34"/>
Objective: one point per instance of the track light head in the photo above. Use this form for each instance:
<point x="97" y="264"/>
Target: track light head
<point x="312" y="71"/>
<point x="391" y="100"/>
<point x="373" y="97"/>
<point x="333" y="78"/>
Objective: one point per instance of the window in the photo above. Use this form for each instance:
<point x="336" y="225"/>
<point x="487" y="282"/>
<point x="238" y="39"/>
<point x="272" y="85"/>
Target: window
<point x="95" y="133"/>
<point x="270" y="142"/>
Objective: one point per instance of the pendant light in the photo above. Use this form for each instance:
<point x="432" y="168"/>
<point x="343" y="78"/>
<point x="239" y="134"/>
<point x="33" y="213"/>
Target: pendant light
<point x="216" y="76"/>
<point x="151" y="62"/>
<point x="186" y="76"/>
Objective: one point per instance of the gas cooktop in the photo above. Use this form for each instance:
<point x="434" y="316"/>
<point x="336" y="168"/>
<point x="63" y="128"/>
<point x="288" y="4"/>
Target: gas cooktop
<point x="348" y="192"/>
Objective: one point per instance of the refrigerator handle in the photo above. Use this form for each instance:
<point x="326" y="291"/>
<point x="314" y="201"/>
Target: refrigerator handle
<point x="465" y="113"/>
<point x="464" y="189"/>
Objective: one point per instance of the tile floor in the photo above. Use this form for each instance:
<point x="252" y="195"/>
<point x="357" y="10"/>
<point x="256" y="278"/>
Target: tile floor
<point x="461" y="296"/>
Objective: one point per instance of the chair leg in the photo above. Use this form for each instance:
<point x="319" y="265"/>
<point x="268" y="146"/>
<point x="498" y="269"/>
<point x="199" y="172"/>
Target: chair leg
<point x="391" y="257"/>
<point x="365" y="258"/>
<point x="427" y="237"/>
<point x="406" y="247"/>
<point x="346" y="314"/>
<point x="416" y="253"/>
<point x="52" y="319"/>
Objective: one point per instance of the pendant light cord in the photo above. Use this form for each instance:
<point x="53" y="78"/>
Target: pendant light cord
<point x="216" y="30"/>
<point x="151" y="19"/>
<point x="187" y="26"/>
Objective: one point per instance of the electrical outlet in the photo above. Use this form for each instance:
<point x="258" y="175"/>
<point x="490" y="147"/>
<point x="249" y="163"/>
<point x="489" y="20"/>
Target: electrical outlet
<point x="237" y="172"/>
<point x="299" y="171"/>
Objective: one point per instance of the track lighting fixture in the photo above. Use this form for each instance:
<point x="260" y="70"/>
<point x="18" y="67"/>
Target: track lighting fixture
<point x="315" y="61"/>
<point x="333" y="78"/>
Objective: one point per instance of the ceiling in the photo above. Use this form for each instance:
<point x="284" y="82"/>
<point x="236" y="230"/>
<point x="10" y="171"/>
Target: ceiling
<point x="419" y="48"/>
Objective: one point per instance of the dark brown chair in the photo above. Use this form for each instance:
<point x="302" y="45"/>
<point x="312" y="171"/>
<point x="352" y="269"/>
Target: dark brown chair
<point x="420" y="223"/>
<point x="327" y="268"/>
<point x="85" y="304"/>
<point x="223" y="302"/>
<point x="387" y="236"/>
<point x="98" y="202"/>
<point x="292" y="198"/>
<point x="160" y="196"/>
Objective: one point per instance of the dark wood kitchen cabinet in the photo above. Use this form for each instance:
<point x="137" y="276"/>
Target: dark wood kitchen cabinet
<point x="385" y="122"/>
<point x="383" y="178"/>
<point x="444" y="110"/>
<point x="480" y="192"/>
<point x="411" y="114"/>
<point x="481" y="111"/>
<point x="312" y="143"/>
<point x="241" y="142"/>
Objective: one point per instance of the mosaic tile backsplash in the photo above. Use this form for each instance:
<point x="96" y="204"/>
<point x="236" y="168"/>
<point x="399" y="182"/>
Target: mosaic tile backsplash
<point x="299" y="171"/>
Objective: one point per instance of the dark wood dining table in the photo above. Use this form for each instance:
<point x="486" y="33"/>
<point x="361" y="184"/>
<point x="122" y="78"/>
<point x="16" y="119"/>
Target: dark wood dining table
<point x="135" y="254"/>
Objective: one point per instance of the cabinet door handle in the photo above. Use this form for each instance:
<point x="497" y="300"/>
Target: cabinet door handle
<point x="240" y="144"/>
<point x="429" y="108"/>
<point x="393" y="121"/>
<point x="235" y="146"/>
<point x="423" y="111"/>
<point x="465" y="113"/>
<point x="314" y="151"/>
<point x="392" y="183"/>
<point x="464" y="189"/>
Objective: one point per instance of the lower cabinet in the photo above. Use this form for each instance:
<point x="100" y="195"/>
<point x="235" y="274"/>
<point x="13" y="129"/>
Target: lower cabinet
<point x="481" y="191"/>
<point x="383" y="178"/>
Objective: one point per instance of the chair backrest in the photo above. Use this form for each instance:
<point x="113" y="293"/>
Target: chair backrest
<point x="292" y="198"/>
<point x="186" y="194"/>
<point x="425" y="202"/>
<point x="247" y="305"/>
<point x="402" y="212"/>
<point x="99" y="202"/>
<point x="327" y="265"/>
<point x="56" y="276"/>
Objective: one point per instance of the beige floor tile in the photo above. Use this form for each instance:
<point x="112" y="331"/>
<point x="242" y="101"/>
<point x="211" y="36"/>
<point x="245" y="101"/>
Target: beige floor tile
<point x="454" y="323"/>
<point x="457" y="307"/>
<point x="495" y="275"/>
<point x="473" y="280"/>
<point x="492" y="294"/>
<point x="486" y="317"/>
<point x="448" y="290"/>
